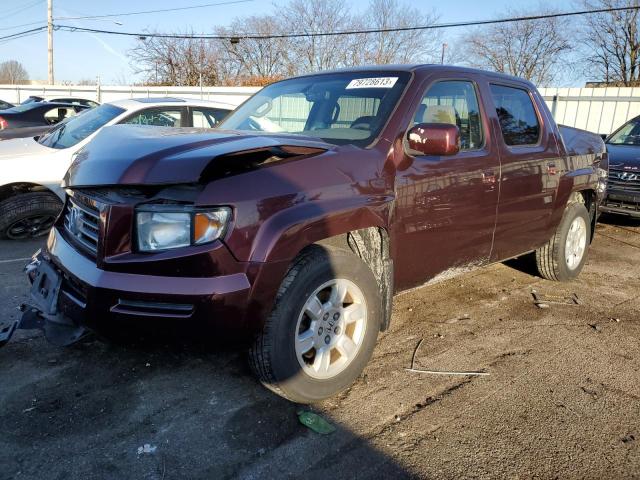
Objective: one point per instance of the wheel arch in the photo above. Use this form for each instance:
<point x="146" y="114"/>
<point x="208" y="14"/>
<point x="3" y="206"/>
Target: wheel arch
<point x="11" y="189"/>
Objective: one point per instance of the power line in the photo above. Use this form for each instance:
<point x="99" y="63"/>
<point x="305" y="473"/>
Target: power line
<point x="22" y="25"/>
<point x="19" y="34"/>
<point x="22" y="35"/>
<point x="18" y="10"/>
<point x="126" y="14"/>
<point x="252" y="36"/>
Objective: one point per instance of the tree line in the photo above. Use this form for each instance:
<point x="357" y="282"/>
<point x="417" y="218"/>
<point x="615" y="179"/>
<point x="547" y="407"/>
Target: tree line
<point x="603" y="47"/>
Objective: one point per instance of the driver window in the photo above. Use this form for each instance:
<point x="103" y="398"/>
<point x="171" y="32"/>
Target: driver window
<point x="454" y="102"/>
<point x="157" y="117"/>
<point x="56" y="115"/>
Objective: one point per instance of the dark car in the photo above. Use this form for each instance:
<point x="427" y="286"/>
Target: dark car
<point x="70" y="100"/>
<point x="322" y="197"/>
<point x="76" y="101"/>
<point x="4" y="105"/>
<point x="33" y="119"/>
<point x="623" y="145"/>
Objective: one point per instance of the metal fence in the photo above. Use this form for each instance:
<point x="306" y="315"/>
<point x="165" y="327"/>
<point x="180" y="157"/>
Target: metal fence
<point x="599" y="110"/>
<point x="102" y="93"/>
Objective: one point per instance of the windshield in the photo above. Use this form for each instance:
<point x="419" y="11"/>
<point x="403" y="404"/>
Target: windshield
<point x="75" y="129"/>
<point x="340" y="108"/>
<point x="629" y="134"/>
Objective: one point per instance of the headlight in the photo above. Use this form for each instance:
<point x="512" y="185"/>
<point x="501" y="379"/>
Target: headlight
<point x="161" y="227"/>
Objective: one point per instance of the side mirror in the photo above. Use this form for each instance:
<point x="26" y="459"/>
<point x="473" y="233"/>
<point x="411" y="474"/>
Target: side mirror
<point x="434" y="139"/>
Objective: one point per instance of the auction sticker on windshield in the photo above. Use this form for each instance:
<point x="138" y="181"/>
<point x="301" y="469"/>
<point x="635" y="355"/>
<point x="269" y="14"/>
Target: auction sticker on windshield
<point x="378" y="82"/>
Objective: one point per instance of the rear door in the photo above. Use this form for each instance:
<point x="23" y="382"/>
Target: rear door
<point x="530" y="165"/>
<point x="446" y="205"/>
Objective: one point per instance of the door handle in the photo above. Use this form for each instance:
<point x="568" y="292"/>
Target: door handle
<point x="489" y="177"/>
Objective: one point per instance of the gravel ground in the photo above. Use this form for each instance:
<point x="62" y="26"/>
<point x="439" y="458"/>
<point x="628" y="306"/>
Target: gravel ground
<point x="562" y="398"/>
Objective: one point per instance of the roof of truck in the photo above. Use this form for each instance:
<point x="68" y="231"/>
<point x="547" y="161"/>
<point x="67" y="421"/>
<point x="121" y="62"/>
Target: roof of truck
<point x="421" y="67"/>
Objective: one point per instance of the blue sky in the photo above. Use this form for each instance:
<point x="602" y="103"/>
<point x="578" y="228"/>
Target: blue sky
<point x="85" y="56"/>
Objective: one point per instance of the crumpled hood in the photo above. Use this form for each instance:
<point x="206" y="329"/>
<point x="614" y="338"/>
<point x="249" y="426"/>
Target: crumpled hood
<point x="21" y="147"/>
<point x="624" y="157"/>
<point x="141" y="155"/>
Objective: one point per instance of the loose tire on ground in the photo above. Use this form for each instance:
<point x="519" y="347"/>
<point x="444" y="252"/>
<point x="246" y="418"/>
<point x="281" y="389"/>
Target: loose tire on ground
<point x="552" y="259"/>
<point x="28" y="215"/>
<point x="275" y="355"/>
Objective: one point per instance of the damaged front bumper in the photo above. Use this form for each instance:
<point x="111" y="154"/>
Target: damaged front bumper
<point x="42" y="311"/>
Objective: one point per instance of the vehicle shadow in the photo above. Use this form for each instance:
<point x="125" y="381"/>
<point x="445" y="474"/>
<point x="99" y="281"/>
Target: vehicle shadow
<point x="160" y="407"/>
<point x="619" y="220"/>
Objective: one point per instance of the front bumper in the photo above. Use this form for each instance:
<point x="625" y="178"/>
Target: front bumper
<point x="89" y="297"/>
<point x="622" y="203"/>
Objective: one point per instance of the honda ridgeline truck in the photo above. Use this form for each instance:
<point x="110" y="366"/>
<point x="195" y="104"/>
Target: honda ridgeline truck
<point x="321" y="197"/>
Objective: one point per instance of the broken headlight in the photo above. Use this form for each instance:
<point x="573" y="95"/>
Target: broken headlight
<point x="161" y="227"/>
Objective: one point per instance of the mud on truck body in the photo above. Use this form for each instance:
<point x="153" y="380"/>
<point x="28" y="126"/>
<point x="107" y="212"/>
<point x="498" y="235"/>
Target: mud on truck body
<point x="319" y="199"/>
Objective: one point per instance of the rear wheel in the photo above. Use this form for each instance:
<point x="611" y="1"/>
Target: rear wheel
<point x="323" y="328"/>
<point x="28" y="215"/>
<point x="564" y="256"/>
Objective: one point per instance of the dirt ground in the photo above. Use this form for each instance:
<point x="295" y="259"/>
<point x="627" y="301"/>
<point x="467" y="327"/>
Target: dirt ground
<point x="562" y="398"/>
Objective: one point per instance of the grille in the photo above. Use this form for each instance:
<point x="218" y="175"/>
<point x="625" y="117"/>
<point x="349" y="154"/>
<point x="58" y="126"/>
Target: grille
<point x="628" y="181"/>
<point x="82" y="224"/>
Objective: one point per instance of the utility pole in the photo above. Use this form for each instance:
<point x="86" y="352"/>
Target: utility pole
<point x="444" y="49"/>
<point x="50" y="39"/>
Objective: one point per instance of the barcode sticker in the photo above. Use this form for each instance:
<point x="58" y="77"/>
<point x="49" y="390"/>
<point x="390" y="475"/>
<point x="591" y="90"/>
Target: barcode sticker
<point x="377" y="82"/>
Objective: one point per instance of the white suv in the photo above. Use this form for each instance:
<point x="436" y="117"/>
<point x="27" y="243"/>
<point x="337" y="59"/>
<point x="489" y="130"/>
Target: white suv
<point x="31" y="168"/>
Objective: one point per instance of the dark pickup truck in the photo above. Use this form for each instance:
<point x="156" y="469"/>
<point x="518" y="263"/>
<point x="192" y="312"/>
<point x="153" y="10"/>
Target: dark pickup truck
<point x="321" y="197"/>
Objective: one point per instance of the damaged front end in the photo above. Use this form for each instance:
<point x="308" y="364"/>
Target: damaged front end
<point x="42" y="313"/>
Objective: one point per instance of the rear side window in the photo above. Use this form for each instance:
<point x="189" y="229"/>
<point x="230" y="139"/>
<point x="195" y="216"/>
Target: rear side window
<point x="518" y="119"/>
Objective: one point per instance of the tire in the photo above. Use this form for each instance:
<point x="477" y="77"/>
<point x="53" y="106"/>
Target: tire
<point x="554" y="259"/>
<point x="28" y="215"/>
<point x="275" y="356"/>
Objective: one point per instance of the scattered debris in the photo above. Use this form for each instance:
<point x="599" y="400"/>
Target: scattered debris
<point x="27" y="410"/>
<point x="315" y="422"/>
<point x="147" y="364"/>
<point x="437" y="372"/>
<point x="147" y="448"/>
<point x="588" y="391"/>
<point x="397" y="418"/>
<point x="596" y="327"/>
<point x="543" y="301"/>
<point x="443" y="372"/>
<point x="617" y="320"/>
<point x="628" y="438"/>
<point x="52" y="361"/>
<point x="466" y="316"/>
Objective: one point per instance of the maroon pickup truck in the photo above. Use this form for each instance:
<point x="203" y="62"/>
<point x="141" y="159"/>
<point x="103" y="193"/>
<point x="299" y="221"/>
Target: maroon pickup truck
<point x="319" y="198"/>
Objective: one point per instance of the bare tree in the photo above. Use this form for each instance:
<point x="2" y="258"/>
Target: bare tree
<point x="409" y="46"/>
<point x="175" y="61"/>
<point x="611" y="43"/>
<point x="532" y="49"/>
<point x="255" y="58"/>
<point x="309" y="54"/>
<point x="13" y="72"/>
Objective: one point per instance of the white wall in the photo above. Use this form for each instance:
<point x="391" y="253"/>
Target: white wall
<point x="599" y="110"/>
<point x="102" y="93"/>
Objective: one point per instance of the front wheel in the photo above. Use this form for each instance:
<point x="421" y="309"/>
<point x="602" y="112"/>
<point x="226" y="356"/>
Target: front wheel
<point x="28" y="215"/>
<point x="323" y="328"/>
<point x="562" y="258"/>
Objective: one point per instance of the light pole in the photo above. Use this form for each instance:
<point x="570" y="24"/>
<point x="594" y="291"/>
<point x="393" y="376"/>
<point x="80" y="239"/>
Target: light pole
<point x="50" y="39"/>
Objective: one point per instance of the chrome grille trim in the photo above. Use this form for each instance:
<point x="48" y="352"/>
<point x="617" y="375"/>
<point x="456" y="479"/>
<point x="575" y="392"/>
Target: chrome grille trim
<point x="620" y="184"/>
<point x="82" y="224"/>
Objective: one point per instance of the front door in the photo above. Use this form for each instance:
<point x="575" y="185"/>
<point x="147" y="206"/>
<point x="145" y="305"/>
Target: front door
<point x="446" y="205"/>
